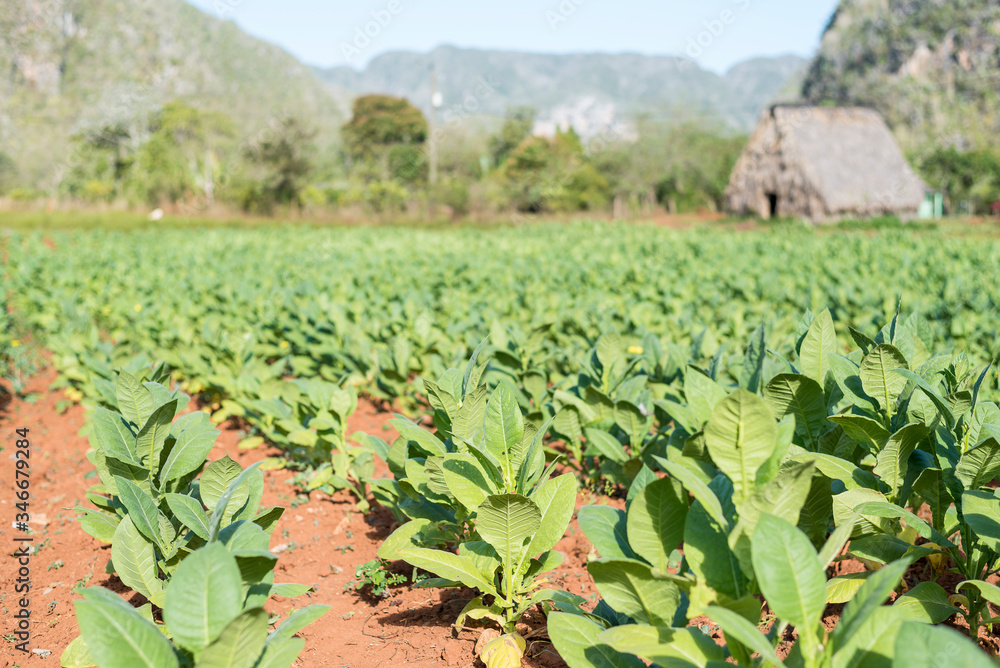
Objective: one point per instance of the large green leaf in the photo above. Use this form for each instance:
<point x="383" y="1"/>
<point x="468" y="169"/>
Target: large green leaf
<point x="698" y="489"/>
<point x="204" y="596"/>
<point x="134" y="559"/>
<point x="801" y="397"/>
<point x="982" y="513"/>
<point x="134" y="400"/>
<point x="281" y="653"/>
<point x="239" y="645"/>
<point x="246" y="488"/>
<point x="149" y="441"/>
<point x="922" y="646"/>
<point x="576" y="639"/>
<point x="738" y="629"/>
<point x="980" y="465"/>
<point x="630" y="588"/>
<point x="836" y="468"/>
<point x="740" y="436"/>
<point x="666" y="647"/>
<point x="783" y="497"/>
<point x="872" y="594"/>
<point x="447" y="565"/>
<point x="141" y="509"/>
<point x="504" y="428"/>
<point x="843" y="588"/>
<point x="607" y="530"/>
<point x="892" y="462"/>
<point x="189" y="511"/>
<point x="99" y="524"/>
<point x="556" y="500"/>
<point x="506" y="521"/>
<point x="112" y="435"/>
<point x="215" y="480"/>
<point x="872" y="434"/>
<point x="401" y="538"/>
<point x="467" y="480"/>
<point x="118" y="636"/>
<point x="878" y="379"/>
<point x="417" y="434"/>
<point x="870" y="644"/>
<point x="702" y="393"/>
<point x="605" y="445"/>
<point x="655" y="522"/>
<point x="706" y="546"/>
<point x="926" y="602"/>
<point x="819" y="342"/>
<point x="189" y="452"/>
<point x="940" y="402"/>
<point x="298" y="620"/>
<point x="789" y="572"/>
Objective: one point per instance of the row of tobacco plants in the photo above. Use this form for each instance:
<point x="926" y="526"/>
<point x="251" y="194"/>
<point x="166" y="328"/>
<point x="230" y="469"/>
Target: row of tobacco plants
<point x="191" y="537"/>
<point x="744" y="482"/>
<point x="614" y="361"/>
<point x="738" y="501"/>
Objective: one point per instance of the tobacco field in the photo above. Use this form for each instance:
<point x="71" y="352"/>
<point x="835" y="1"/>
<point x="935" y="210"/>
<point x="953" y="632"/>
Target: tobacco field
<point x="780" y="446"/>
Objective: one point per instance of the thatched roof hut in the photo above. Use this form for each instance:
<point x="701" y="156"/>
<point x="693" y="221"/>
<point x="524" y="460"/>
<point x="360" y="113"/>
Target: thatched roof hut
<point x="823" y="164"/>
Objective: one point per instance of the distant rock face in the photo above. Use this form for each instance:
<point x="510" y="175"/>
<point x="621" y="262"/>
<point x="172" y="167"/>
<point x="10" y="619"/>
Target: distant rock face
<point x="931" y="67"/>
<point x="594" y="93"/>
<point x="66" y="65"/>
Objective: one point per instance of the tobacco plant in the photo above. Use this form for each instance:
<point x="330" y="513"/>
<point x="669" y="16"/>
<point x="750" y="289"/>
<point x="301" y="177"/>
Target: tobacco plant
<point x="414" y="459"/>
<point x="516" y="514"/>
<point x="212" y="617"/>
<point x="177" y="536"/>
<point x="151" y="505"/>
<point x="791" y="576"/>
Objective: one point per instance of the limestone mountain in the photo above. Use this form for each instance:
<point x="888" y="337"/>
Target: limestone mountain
<point x="588" y="90"/>
<point x="69" y="65"/>
<point x="930" y="67"/>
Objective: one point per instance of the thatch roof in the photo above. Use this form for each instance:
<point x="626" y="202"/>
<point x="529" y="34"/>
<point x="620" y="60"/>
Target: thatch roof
<point x="824" y="163"/>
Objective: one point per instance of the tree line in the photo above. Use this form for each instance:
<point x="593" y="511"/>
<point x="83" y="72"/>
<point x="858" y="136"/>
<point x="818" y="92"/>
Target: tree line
<point x="197" y="160"/>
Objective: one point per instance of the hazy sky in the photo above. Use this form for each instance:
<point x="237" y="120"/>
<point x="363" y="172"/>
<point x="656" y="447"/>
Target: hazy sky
<point x="717" y="33"/>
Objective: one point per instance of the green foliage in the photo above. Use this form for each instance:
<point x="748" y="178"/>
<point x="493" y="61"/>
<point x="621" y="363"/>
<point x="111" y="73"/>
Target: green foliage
<point x="376" y="575"/>
<point x="380" y="121"/>
<point x="8" y="173"/>
<point x="212" y="616"/>
<point x="517" y="126"/>
<point x="195" y="546"/>
<point x="971" y="177"/>
<point x="543" y="174"/>
<point x="283" y="159"/>
<point x="174" y="157"/>
<point x="482" y="483"/>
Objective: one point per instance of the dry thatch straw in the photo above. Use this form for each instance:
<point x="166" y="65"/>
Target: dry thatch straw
<point x="823" y="164"/>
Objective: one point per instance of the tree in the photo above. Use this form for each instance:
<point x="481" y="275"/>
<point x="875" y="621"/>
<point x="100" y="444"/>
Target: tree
<point x="284" y="158"/>
<point x="552" y="174"/>
<point x="8" y="172"/>
<point x="385" y="137"/>
<point x="517" y="126"/>
<point x="963" y="176"/>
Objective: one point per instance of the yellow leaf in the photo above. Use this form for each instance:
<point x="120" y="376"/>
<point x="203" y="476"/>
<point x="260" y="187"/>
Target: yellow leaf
<point x="504" y="652"/>
<point x="273" y="464"/>
<point x="250" y="443"/>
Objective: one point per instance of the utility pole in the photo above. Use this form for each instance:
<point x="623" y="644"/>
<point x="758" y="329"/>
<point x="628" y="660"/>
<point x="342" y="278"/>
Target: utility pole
<point x="432" y="153"/>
